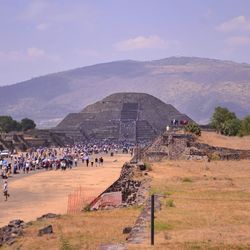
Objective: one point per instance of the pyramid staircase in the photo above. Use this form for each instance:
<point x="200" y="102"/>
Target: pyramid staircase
<point x="144" y="131"/>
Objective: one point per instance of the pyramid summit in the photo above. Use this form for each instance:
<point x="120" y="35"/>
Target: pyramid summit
<point x="121" y="117"/>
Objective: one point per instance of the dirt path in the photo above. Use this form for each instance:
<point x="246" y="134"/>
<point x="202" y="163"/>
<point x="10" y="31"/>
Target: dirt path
<point x="37" y="194"/>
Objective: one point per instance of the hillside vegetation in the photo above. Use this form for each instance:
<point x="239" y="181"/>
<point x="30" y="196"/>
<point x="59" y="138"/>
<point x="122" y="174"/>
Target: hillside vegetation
<point x="193" y="85"/>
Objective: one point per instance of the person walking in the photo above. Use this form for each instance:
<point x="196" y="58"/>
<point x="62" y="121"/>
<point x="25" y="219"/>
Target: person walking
<point x="96" y="162"/>
<point x="101" y="161"/>
<point x="5" y="190"/>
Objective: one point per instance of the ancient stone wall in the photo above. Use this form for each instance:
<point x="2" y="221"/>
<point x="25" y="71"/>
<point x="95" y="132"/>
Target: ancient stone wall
<point x="131" y="184"/>
<point x="33" y="138"/>
<point x="185" y="146"/>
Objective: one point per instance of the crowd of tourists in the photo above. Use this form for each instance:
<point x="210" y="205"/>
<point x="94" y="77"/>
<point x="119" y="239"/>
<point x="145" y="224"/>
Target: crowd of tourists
<point x="58" y="158"/>
<point x="46" y="158"/>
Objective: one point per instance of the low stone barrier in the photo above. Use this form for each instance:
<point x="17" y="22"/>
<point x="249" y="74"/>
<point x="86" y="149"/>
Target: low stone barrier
<point x="138" y="232"/>
<point x="130" y="185"/>
<point x="9" y="233"/>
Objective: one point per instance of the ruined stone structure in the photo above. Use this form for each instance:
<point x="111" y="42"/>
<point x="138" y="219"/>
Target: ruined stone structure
<point x="131" y="185"/>
<point x="33" y="138"/>
<point x="175" y="146"/>
<point x="13" y="141"/>
<point x="133" y="117"/>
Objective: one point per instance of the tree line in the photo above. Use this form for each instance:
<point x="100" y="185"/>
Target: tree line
<point x="224" y="122"/>
<point x="8" y="124"/>
<point x="227" y="123"/>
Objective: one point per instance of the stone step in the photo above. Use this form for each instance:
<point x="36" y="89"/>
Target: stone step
<point x="129" y="115"/>
<point x="144" y="130"/>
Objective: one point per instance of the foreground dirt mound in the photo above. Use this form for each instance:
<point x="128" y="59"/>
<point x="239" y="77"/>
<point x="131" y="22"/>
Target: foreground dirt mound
<point x="175" y="146"/>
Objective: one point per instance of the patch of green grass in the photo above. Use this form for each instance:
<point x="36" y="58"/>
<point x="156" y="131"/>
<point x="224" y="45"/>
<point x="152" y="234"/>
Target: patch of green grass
<point x="168" y="193"/>
<point x="148" y="166"/>
<point x="87" y="208"/>
<point x="196" y="245"/>
<point x="161" y="191"/>
<point x="186" y="179"/>
<point x="170" y="203"/>
<point x="214" y="156"/>
<point x="154" y="190"/>
<point x="65" y="244"/>
<point x="212" y="245"/>
<point x="135" y="207"/>
<point x="162" y="226"/>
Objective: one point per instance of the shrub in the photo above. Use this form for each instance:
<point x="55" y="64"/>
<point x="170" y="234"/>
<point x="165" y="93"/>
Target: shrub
<point x="220" y="116"/>
<point x="193" y="128"/>
<point x="214" y="156"/>
<point x="170" y="203"/>
<point x="148" y="166"/>
<point x="186" y="179"/>
<point x="86" y="208"/>
<point x="231" y="127"/>
<point x="245" y="126"/>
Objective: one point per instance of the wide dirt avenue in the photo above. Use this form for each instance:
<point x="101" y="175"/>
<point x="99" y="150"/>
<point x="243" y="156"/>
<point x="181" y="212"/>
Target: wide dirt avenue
<point x="36" y="194"/>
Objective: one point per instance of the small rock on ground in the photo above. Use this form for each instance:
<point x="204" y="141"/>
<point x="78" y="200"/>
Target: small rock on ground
<point x="45" y="230"/>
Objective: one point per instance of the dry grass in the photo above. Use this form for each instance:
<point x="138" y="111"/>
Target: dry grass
<point x="215" y="139"/>
<point x="206" y="206"/>
<point x="211" y="211"/>
<point x="85" y="231"/>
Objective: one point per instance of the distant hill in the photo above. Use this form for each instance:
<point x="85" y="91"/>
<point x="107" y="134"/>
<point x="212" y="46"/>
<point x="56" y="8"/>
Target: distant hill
<point x="193" y="85"/>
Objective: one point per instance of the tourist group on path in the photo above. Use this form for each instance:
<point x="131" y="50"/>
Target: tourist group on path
<point x="55" y="159"/>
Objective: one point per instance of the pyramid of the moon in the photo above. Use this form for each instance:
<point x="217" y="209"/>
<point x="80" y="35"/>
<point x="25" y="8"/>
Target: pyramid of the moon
<point x="131" y="117"/>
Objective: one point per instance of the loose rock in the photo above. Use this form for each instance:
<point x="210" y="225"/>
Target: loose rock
<point x="127" y="230"/>
<point x="48" y="216"/>
<point x="9" y="233"/>
<point x="45" y="230"/>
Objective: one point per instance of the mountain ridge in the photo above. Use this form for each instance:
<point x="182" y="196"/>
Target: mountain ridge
<point x="194" y="85"/>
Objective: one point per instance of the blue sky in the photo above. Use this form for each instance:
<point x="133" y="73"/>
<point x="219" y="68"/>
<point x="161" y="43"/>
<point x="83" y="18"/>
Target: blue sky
<point x="45" y="36"/>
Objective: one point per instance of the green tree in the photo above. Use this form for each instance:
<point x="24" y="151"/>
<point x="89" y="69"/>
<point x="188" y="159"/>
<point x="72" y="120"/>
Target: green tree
<point x="193" y="128"/>
<point x="245" y="126"/>
<point x="27" y="124"/>
<point x="220" y="117"/>
<point x="231" y="127"/>
<point x="16" y="126"/>
<point x="7" y="124"/>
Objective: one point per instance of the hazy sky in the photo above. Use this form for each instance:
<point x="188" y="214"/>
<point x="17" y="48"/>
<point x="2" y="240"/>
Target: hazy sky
<point x="45" y="36"/>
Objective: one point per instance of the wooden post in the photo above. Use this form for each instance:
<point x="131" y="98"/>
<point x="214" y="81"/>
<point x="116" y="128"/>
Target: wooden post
<point x="68" y="204"/>
<point x="152" y="219"/>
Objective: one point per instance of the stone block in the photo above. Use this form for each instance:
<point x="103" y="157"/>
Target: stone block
<point x="45" y="230"/>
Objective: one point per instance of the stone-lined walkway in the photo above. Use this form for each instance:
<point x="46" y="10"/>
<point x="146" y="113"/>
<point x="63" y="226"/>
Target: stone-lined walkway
<point x="139" y="232"/>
